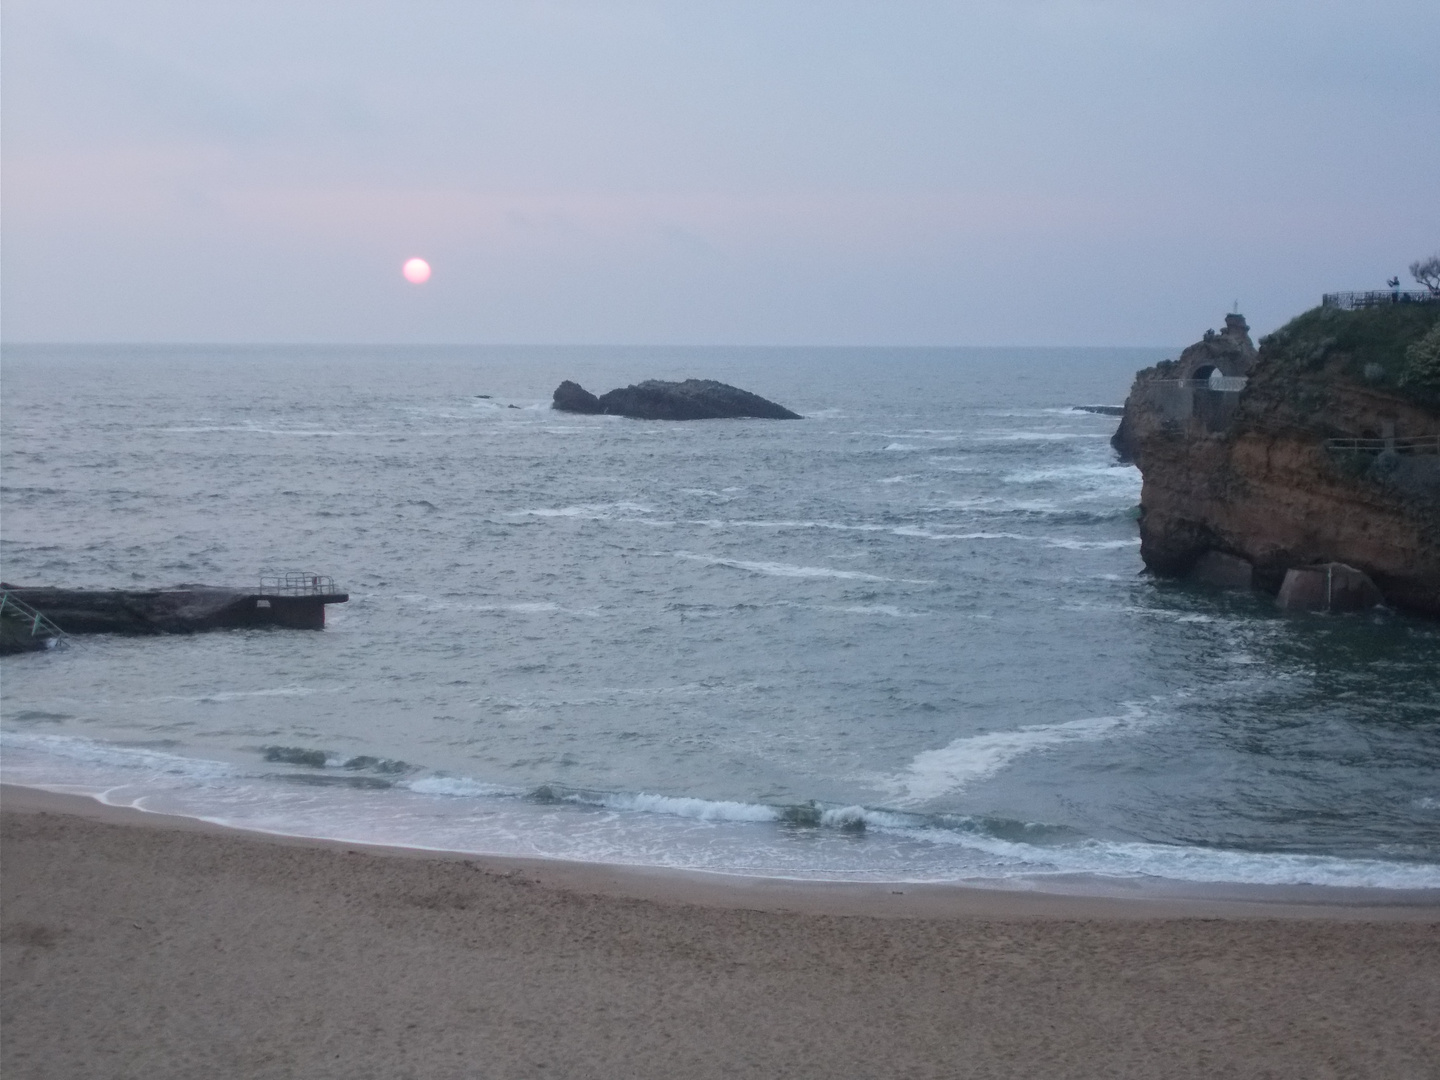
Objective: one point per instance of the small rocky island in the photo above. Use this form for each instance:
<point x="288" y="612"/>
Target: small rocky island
<point x="693" y="399"/>
<point x="1309" y="468"/>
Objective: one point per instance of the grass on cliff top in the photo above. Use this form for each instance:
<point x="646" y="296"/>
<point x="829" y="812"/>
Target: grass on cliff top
<point x="1392" y="347"/>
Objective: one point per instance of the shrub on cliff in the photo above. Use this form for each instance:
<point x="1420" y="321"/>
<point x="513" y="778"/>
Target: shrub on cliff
<point x="1370" y="345"/>
<point x="1422" y="365"/>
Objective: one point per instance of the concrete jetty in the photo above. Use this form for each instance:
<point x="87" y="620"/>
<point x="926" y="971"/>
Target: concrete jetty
<point x="294" y="600"/>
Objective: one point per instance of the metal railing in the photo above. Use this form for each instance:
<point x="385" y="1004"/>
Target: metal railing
<point x="1352" y="301"/>
<point x="1231" y="384"/>
<point x="40" y="625"/>
<point x="1424" y="444"/>
<point x="1228" y="383"/>
<point x="296" y="583"/>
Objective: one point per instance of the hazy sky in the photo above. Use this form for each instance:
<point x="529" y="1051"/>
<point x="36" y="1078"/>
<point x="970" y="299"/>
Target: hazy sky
<point x="778" y="172"/>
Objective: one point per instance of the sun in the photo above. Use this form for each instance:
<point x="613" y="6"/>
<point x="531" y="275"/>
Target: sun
<point x="416" y="271"/>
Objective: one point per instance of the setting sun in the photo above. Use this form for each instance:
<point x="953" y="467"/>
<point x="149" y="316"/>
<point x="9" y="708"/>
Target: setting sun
<point x="417" y="271"/>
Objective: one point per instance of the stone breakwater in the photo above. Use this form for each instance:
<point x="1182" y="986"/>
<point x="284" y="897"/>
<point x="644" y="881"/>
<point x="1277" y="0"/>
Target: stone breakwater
<point x="1325" y="458"/>
<point x="693" y="399"/>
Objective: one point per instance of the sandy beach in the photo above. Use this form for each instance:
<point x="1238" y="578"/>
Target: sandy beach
<point x="139" y="946"/>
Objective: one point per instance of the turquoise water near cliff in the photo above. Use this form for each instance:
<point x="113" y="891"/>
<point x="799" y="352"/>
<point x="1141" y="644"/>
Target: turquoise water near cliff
<point x="907" y="637"/>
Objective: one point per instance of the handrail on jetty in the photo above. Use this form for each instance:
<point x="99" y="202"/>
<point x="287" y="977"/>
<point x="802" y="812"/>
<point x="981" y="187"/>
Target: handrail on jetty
<point x="1353" y="301"/>
<point x="1423" y="444"/>
<point x="40" y="626"/>
<point x="296" y="583"/>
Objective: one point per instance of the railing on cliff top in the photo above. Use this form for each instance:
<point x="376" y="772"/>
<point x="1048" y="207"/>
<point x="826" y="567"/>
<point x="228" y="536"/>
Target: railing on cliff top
<point x="1423" y="444"/>
<point x="1352" y="301"/>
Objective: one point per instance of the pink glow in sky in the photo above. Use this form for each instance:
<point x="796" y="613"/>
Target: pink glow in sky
<point x="417" y="271"/>
<point x="706" y="173"/>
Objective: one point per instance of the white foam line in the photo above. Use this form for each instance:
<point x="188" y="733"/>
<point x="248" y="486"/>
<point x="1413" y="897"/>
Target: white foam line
<point x="237" y="695"/>
<point x="780" y="569"/>
<point x="916" y="532"/>
<point x="96" y="753"/>
<point x="888" y="610"/>
<point x="933" y="773"/>
<point x="1036" y="436"/>
<point x="538" y="607"/>
<point x="656" y="844"/>
<point x="587" y="511"/>
<point x="719" y="523"/>
<point x="1049" y="541"/>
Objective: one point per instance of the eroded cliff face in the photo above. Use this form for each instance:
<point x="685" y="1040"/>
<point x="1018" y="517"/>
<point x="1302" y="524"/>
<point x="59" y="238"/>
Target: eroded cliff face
<point x="1268" y="486"/>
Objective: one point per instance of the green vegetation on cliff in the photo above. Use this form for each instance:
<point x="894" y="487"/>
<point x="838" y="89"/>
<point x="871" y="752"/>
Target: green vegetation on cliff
<point x="1395" y="347"/>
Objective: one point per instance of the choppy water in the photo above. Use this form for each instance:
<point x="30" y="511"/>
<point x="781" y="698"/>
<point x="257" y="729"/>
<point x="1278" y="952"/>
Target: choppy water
<point x="904" y="638"/>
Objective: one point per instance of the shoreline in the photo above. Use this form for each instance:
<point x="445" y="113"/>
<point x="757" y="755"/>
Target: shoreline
<point x="1067" y="897"/>
<point x="140" y="945"/>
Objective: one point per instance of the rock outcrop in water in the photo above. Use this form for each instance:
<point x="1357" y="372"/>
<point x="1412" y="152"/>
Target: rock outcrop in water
<point x="572" y="397"/>
<point x="1329" y="453"/>
<point x="693" y="399"/>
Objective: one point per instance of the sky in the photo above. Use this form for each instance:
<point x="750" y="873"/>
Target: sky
<point x="785" y="172"/>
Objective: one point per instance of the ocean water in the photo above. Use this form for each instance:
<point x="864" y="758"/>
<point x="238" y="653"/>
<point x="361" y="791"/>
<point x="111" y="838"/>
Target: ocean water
<point x="907" y="638"/>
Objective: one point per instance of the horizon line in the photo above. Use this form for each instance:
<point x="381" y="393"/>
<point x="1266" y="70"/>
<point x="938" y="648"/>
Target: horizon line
<point x="544" y="345"/>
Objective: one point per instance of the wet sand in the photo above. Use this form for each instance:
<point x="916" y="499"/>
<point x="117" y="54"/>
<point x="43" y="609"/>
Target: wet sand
<point x="138" y="946"/>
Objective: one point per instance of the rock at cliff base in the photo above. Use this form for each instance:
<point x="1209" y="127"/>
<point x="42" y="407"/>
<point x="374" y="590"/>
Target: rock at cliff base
<point x="1123" y="441"/>
<point x="1328" y="587"/>
<point x="1223" y="571"/>
<point x="572" y="397"/>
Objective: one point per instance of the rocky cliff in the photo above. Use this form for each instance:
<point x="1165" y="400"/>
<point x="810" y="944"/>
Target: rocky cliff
<point x="1328" y="453"/>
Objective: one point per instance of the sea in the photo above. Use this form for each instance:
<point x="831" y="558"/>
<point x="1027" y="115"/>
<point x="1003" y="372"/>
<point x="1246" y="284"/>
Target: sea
<point x="907" y="638"/>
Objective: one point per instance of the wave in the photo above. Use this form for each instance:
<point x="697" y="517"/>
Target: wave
<point x="835" y="526"/>
<point x="520" y="607"/>
<point x="1028" y="849"/>
<point x="888" y="610"/>
<point x="250" y="429"/>
<point x="1049" y="541"/>
<point x="775" y="569"/>
<point x="92" y="752"/>
<point x="1036" y="436"/>
<point x="933" y="773"/>
<point x="328" y="759"/>
<point x="1115" y="476"/>
<point x="916" y="532"/>
<point x="998" y="506"/>
<point x="639" y="828"/>
<point x="586" y="511"/>
<point x="221" y="696"/>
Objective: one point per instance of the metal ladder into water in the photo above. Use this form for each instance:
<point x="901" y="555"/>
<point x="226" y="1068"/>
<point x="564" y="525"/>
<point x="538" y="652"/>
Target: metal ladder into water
<point x="39" y="625"/>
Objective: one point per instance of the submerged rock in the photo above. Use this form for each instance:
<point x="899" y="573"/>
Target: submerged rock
<point x="693" y="399"/>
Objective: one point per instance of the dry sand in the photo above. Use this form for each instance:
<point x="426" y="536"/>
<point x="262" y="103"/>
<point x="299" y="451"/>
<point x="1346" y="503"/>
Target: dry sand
<point x="150" y="948"/>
